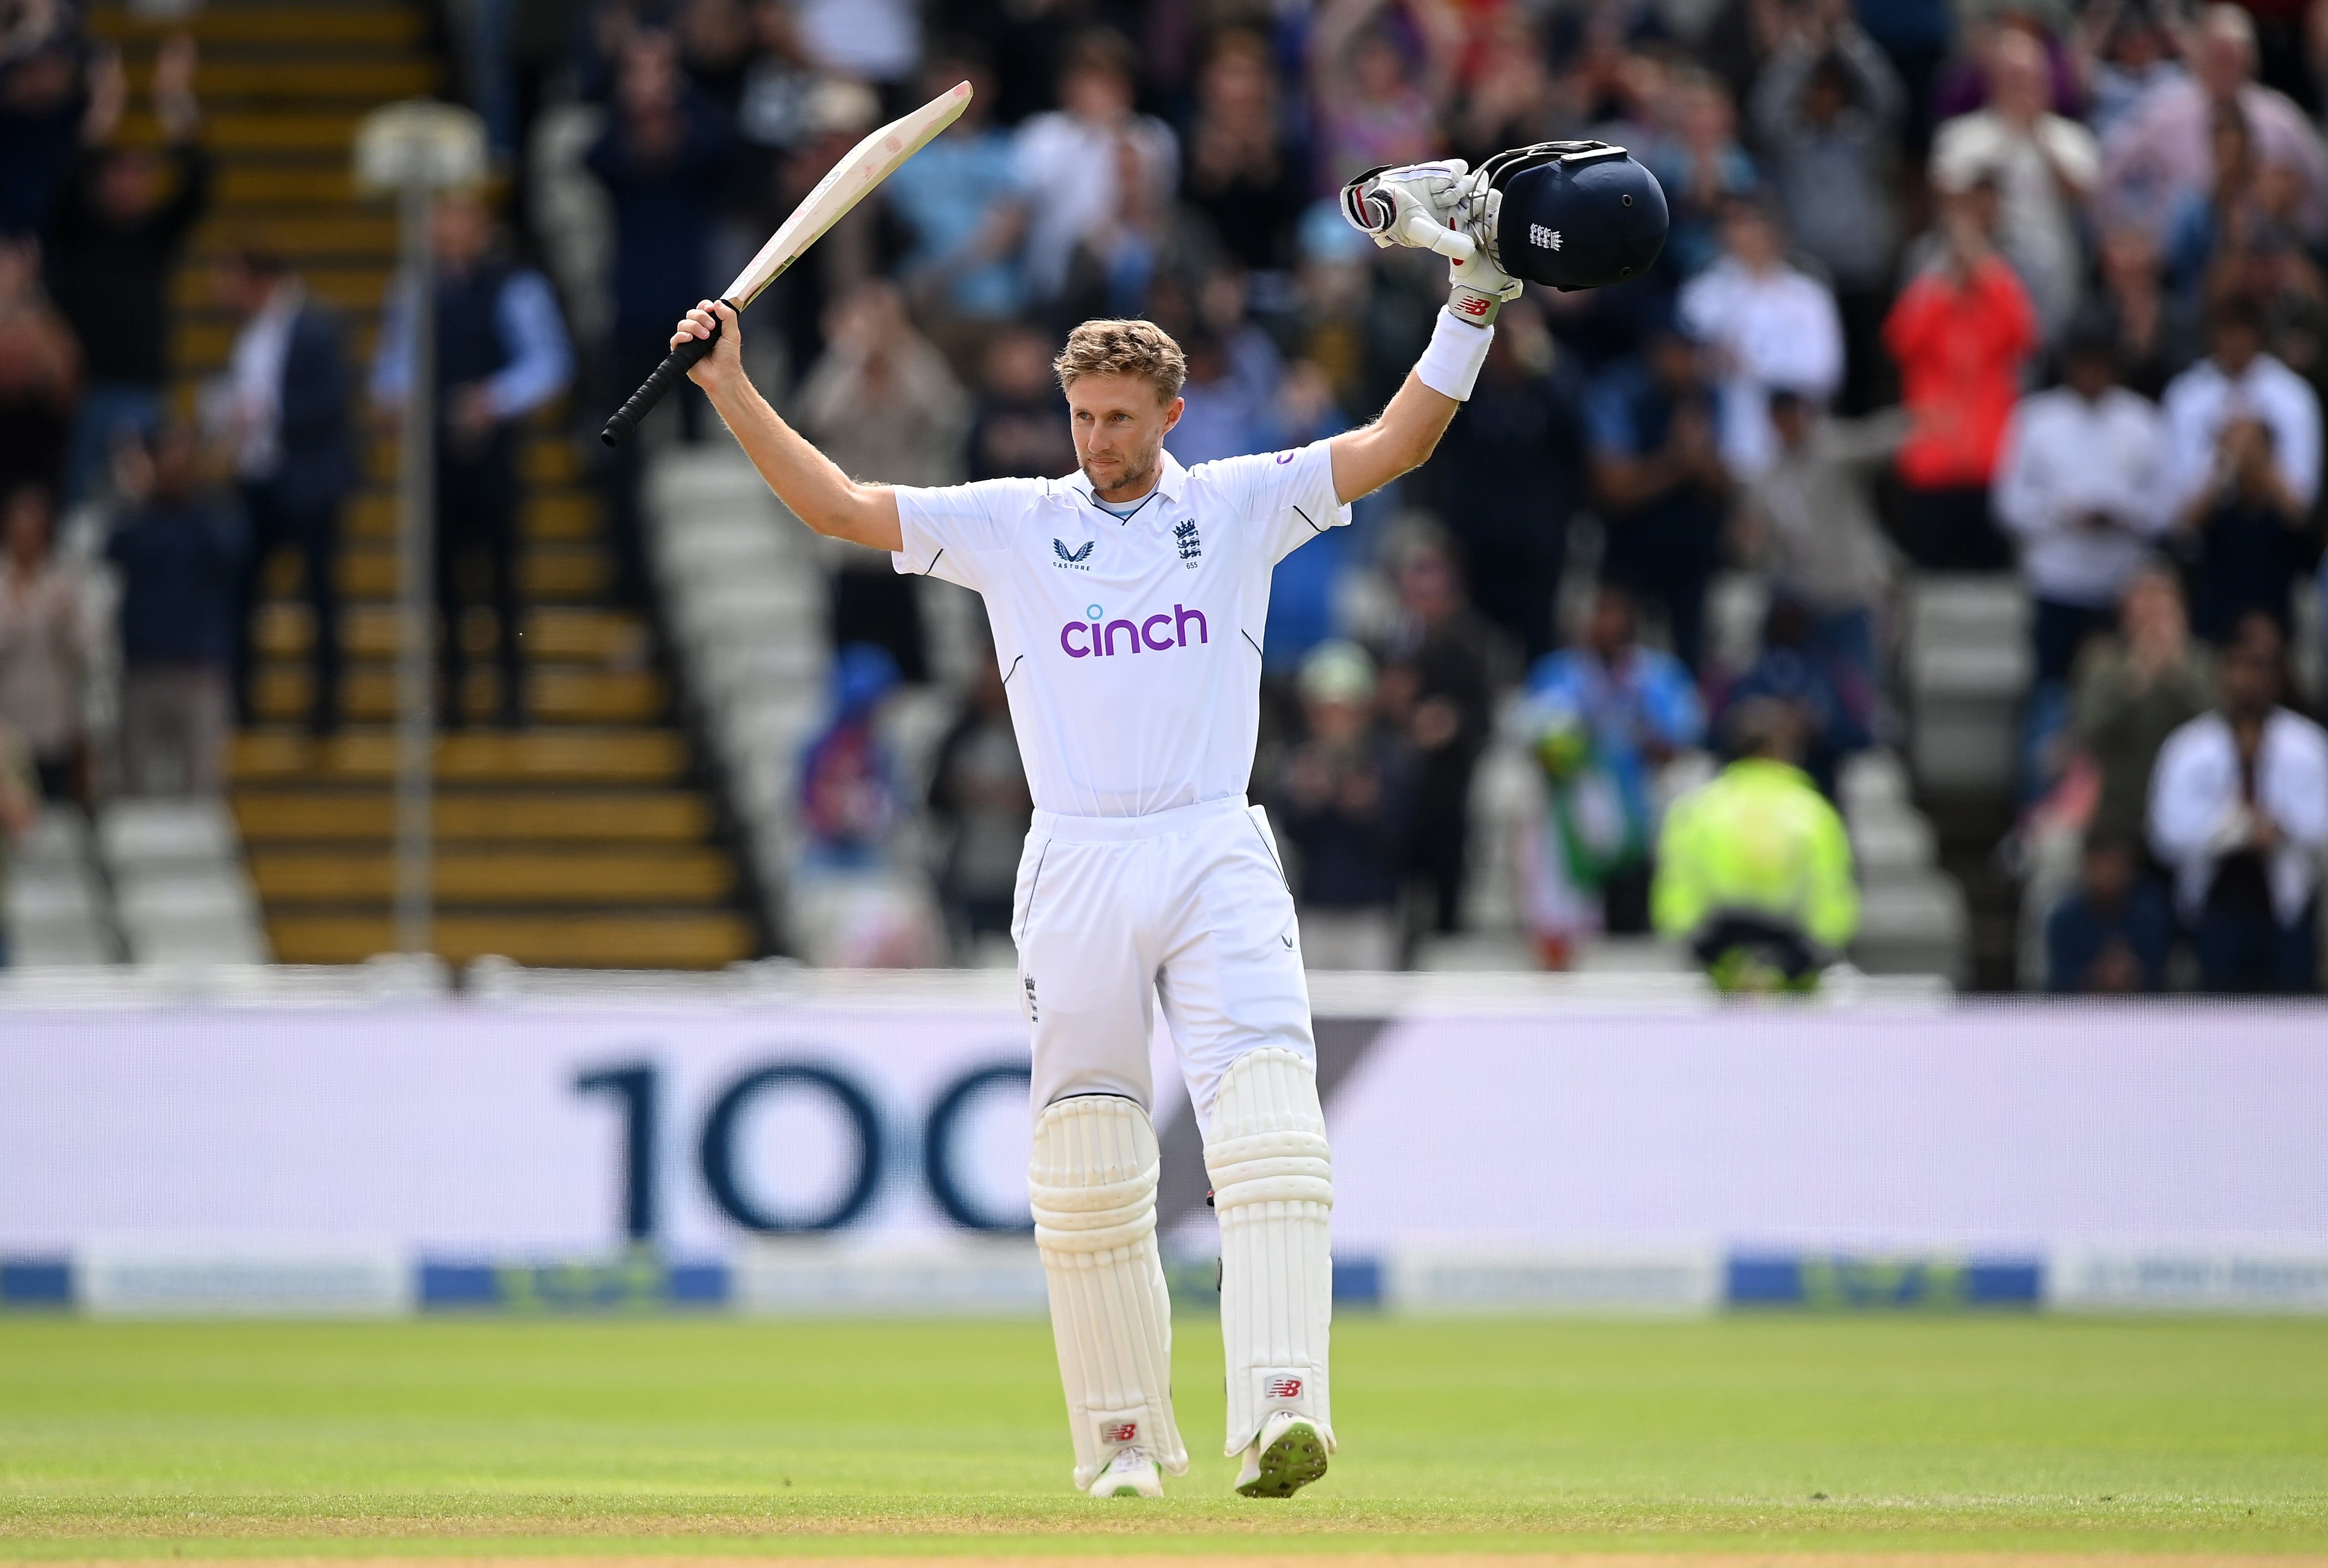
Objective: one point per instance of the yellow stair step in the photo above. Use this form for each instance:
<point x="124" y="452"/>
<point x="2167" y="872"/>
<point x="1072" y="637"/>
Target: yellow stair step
<point x="285" y="630"/>
<point x="242" y="132"/>
<point x="555" y="694"/>
<point x="475" y="877"/>
<point x="530" y="816"/>
<point x="646" y="940"/>
<point x="285" y="24"/>
<point x="558" y="516"/>
<point x="629" y="755"/>
<point x="292" y="79"/>
<point x="545" y="460"/>
<point x="555" y="573"/>
<point x="355" y="289"/>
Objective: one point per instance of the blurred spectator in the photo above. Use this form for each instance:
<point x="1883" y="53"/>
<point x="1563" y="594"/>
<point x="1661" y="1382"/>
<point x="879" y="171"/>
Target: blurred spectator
<point x="2134" y="689"/>
<point x="1754" y="868"/>
<point x="1079" y="164"/>
<point x="41" y="102"/>
<point x="1240" y="173"/>
<point x="1235" y="371"/>
<point x="2078" y="481"/>
<point x="851" y="801"/>
<point x="43" y="643"/>
<point x="1810" y="517"/>
<point x="1441" y="667"/>
<point x="1508" y="99"/>
<point x="1661" y="483"/>
<point x="2124" y="50"/>
<point x="1018" y="429"/>
<point x="2244" y="494"/>
<point x="1343" y="803"/>
<point x="20" y="808"/>
<point x="960" y="198"/>
<point x="1765" y="325"/>
<point x="661" y="158"/>
<point x="1305" y="590"/>
<point x="2220" y="221"/>
<point x="1829" y="704"/>
<point x="1915" y="34"/>
<point x="282" y="409"/>
<point x="882" y="404"/>
<point x="40" y="375"/>
<point x="2247" y="537"/>
<point x="501" y="353"/>
<point x="1960" y="333"/>
<point x="1510" y="474"/>
<point x="2158" y="151"/>
<point x="1380" y="75"/>
<point x="1702" y="167"/>
<point x="980" y="800"/>
<point x="1601" y="716"/>
<point x="2156" y="334"/>
<point x="2111" y="936"/>
<point x="2239" y="807"/>
<point x="179" y="556"/>
<point x="1828" y="110"/>
<point x="875" y="41"/>
<point x="2046" y="168"/>
<point x="114" y="235"/>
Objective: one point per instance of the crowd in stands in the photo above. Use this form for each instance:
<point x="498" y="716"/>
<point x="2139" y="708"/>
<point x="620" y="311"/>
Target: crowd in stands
<point x="1952" y="286"/>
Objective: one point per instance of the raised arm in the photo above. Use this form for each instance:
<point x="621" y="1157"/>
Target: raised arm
<point x="1366" y="459"/>
<point x="804" y="478"/>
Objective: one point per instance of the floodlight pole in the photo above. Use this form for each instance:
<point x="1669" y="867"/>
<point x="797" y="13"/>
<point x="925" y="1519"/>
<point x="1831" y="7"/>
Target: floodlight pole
<point x="416" y="707"/>
<point x="413" y="150"/>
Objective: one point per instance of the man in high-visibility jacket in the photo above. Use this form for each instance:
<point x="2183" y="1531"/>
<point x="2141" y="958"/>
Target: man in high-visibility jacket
<point x="1754" y="868"/>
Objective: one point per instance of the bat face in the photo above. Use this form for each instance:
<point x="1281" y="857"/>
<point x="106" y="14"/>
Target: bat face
<point x="869" y="162"/>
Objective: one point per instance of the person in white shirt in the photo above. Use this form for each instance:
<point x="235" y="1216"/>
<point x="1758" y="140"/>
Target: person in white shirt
<point x="1070" y="161"/>
<point x="2239" y="807"/>
<point x="2239" y="381"/>
<point x="2079" y="483"/>
<point x="1769" y="326"/>
<point x="1127" y="602"/>
<point x="2046" y="168"/>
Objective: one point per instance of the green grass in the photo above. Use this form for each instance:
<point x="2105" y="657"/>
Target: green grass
<point x="1989" y="1433"/>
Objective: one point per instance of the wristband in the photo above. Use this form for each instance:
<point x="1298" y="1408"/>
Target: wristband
<point x="1451" y="366"/>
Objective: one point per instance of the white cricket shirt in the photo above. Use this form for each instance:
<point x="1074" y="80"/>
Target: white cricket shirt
<point x="1131" y="649"/>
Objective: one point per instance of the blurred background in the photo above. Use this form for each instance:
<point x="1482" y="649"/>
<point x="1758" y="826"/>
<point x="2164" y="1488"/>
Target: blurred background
<point x="1949" y="496"/>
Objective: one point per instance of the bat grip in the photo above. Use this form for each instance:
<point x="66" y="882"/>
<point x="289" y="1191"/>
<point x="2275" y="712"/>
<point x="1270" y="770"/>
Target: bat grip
<point x="667" y="375"/>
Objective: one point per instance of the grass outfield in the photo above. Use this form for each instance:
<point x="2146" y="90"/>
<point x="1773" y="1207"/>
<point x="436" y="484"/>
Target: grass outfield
<point x="724" y="1436"/>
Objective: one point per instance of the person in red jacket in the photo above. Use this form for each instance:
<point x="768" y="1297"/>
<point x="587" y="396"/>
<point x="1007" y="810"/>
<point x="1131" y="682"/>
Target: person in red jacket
<point x="1960" y="333"/>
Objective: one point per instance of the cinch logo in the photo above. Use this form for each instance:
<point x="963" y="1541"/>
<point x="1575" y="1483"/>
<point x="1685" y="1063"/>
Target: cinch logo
<point x="1122" y="1432"/>
<point x="1284" y="1388"/>
<point x="1548" y="238"/>
<point x="1102" y="641"/>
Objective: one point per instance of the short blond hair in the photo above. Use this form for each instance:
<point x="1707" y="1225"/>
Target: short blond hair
<point x="1124" y="348"/>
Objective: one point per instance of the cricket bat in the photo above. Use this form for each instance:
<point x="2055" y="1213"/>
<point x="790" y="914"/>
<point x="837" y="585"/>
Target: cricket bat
<point x="870" y="161"/>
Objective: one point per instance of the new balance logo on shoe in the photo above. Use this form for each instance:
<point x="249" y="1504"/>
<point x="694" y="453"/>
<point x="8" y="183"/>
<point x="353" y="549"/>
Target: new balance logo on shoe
<point x="1284" y="1388"/>
<point x="1546" y="239"/>
<point x="1122" y="1431"/>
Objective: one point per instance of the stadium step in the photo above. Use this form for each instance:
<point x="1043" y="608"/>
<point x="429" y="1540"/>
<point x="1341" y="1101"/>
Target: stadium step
<point x="474" y="878"/>
<point x="311" y="816"/>
<point x="578" y="842"/>
<point x="624" y="939"/>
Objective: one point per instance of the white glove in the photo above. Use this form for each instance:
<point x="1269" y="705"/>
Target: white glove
<point x="1413" y="205"/>
<point x="1441" y="207"/>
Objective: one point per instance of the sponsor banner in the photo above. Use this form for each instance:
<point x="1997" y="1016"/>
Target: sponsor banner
<point x="1680" y="1283"/>
<point x="1574" y="1139"/>
<point x="1849" y="1284"/>
<point x="2187" y="1281"/>
<point x="191" y="1277"/>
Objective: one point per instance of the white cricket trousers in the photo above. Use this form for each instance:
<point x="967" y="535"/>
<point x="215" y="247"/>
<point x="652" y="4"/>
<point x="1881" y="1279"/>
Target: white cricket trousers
<point x="1188" y="906"/>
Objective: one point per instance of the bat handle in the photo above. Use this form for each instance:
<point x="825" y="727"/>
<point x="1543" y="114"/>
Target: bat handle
<point x="667" y="375"/>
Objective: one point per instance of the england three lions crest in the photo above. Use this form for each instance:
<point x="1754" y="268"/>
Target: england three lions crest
<point x="1184" y="534"/>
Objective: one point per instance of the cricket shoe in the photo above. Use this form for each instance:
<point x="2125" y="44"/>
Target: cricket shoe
<point x="1289" y="1454"/>
<point x="1129" y="1471"/>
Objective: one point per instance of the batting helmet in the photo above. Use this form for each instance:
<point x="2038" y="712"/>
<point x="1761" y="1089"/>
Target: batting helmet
<point x="1575" y="214"/>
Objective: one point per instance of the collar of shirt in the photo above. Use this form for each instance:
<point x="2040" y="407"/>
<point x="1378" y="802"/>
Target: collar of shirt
<point x="1171" y="480"/>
